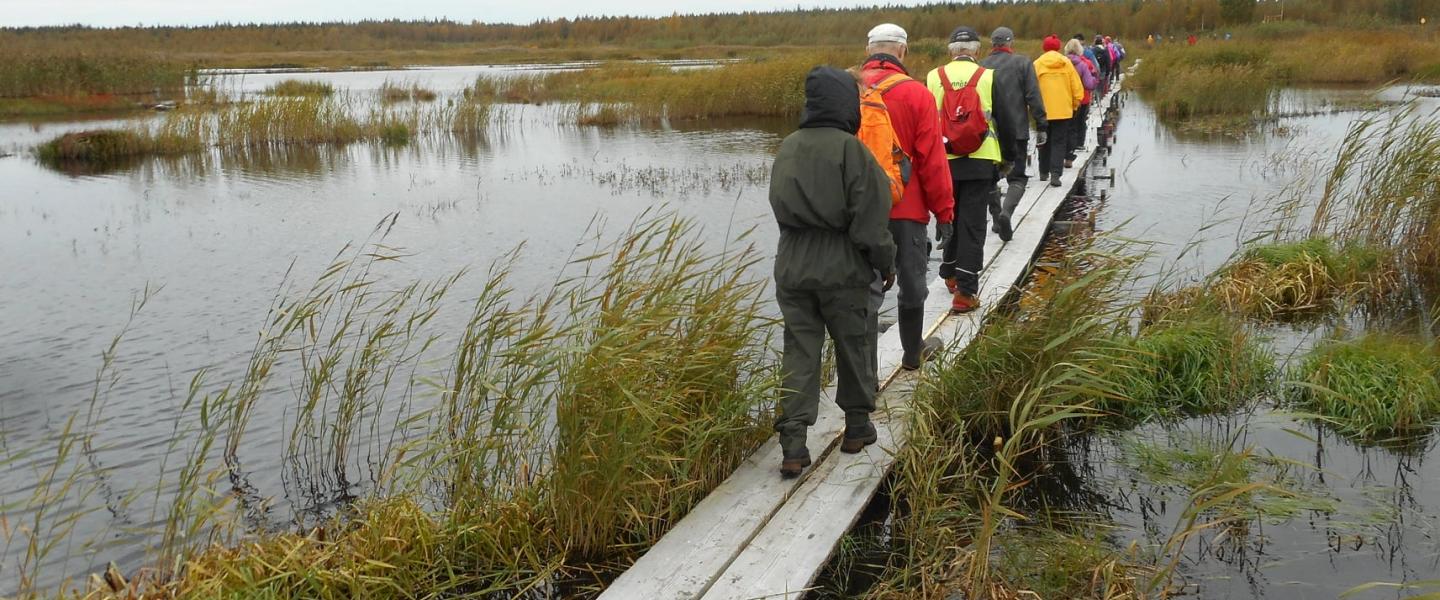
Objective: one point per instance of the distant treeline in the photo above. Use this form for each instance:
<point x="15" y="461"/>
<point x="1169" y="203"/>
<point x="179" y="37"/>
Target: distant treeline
<point x="1030" y="18"/>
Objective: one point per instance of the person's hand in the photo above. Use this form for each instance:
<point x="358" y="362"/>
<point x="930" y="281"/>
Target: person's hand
<point x="943" y="233"/>
<point x="887" y="281"/>
<point x="1041" y="137"/>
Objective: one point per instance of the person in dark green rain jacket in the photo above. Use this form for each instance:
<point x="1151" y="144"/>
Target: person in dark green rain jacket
<point x="832" y="202"/>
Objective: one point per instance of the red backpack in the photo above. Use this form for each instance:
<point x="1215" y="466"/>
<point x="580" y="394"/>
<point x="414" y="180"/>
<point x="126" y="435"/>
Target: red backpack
<point x="962" y="115"/>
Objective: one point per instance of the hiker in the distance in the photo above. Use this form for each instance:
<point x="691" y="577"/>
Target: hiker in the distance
<point x="967" y="95"/>
<point x="916" y="128"/>
<point x="1015" y="74"/>
<point x="1062" y="90"/>
<point x="1089" y="78"/>
<point x="1101" y="55"/>
<point x="832" y="203"/>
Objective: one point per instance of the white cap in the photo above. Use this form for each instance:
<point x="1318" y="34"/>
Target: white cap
<point x="889" y="32"/>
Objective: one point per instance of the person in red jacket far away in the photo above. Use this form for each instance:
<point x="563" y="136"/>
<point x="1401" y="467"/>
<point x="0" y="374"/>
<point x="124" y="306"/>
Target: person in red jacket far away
<point x="917" y="127"/>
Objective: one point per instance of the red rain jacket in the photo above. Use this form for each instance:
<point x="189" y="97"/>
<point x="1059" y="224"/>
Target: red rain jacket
<point x="917" y="125"/>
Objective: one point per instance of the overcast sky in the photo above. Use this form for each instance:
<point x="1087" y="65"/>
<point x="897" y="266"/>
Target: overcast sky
<point x="201" y="12"/>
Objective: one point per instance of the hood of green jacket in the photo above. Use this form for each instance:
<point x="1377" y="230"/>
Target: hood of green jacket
<point x="832" y="99"/>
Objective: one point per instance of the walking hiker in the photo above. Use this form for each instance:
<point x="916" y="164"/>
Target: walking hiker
<point x="914" y="125"/>
<point x="1015" y="74"/>
<point x="1062" y="90"/>
<point x="1089" y="78"/>
<point x="966" y="94"/>
<point x="1102" y="60"/>
<point x="832" y="202"/>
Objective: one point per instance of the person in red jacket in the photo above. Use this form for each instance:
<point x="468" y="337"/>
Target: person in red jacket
<point x="917" y="126"/>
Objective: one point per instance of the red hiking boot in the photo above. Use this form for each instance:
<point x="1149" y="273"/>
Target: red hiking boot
<point x="963" y="303"/>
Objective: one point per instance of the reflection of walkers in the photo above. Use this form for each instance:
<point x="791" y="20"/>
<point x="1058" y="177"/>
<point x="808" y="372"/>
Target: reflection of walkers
<point x="1062" y="90"/>
<point x="916" y="127"/>
<point x="974" y="172"/>
<point x="1015" y="75"/>
<point x="1089" y="78"/>
<point x="832" y="202"/>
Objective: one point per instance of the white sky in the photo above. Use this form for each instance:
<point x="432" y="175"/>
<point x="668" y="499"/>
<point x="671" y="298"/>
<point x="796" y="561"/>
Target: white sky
<point x="15" y="13"/>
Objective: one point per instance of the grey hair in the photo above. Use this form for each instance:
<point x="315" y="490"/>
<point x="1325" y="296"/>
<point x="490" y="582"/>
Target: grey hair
<point x="891" y="48"/>
<point x="964" y="48"/>
<point x="1075" y="47"/>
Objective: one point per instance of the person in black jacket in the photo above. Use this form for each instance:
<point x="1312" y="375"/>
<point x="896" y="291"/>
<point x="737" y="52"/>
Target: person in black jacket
<point x="1018" y="104"/>
<point x="1102" y="60"/>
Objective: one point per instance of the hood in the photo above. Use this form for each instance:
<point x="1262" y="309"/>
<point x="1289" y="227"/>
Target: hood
<point x="832" y="99"/>
<point x="1051" y="61"/>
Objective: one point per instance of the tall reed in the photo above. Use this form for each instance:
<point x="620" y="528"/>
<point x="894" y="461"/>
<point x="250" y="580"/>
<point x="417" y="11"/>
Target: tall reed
<point x="567" y="433"/>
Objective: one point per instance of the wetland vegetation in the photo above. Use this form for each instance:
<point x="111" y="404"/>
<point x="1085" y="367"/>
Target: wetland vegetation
<point x="564" y="430"/>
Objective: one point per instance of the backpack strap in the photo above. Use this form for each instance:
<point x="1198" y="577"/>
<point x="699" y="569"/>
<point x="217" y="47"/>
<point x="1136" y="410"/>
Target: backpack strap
<point x="975" y="79"/>
<point x="889" y="82"/>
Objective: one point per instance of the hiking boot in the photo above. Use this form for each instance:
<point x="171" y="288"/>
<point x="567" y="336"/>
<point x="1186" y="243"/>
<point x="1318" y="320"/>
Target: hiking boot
<point x="952" y="286"/>
<point x="964" y="303"/>
<point x="1070" y="163"/>
<point x="791" y="466"/>
<point x="1002" y="227"/>
<point x="931" y="347"/>
<point x="912" y="327"/>
<point x="857" y="437"/>
<point x="1055" y="180"/>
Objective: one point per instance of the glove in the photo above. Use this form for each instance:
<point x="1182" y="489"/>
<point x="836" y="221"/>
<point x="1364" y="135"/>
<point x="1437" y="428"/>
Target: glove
<point x="943" y="233"/>
<point x="887" y="281"/>
<point x="1041" y="137"/>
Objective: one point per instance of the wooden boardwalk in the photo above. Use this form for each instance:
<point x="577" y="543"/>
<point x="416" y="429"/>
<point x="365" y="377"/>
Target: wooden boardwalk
<point x="759" y="536"/>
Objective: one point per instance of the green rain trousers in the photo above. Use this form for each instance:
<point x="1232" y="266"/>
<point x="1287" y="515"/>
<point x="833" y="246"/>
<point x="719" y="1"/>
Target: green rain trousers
<point x="809" y="314"/>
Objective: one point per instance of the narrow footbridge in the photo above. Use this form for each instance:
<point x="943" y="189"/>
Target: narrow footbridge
<point x="759" y="536"/>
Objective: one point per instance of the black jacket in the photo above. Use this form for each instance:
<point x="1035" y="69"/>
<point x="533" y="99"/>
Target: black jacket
<point x="1016" y="74"/>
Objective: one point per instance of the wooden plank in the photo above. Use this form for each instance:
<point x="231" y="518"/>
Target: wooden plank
<point x="734" y="542"/>
<point x="685" y="562"/>
<point x="783" y="559"/>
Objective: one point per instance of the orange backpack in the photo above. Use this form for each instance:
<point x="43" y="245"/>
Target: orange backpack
<point x="878" y="135"/>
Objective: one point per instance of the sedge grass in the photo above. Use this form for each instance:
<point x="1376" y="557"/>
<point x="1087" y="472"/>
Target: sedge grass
<point x="400" y="92"/>
<point x="1308" y="276"/>
<point x="567" y="433"/>
<point x="299" y="87"/>
<point x="1373" y="388"/>
<point x="266" y="124"/>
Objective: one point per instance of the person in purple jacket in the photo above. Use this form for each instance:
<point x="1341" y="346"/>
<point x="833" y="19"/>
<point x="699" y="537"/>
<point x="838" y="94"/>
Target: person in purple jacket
<point x="1089" y="78"/>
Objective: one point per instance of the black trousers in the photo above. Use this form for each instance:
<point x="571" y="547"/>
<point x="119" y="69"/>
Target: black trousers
<point x="965" y="254"/>
<point x="1052" y="154"/>
<point x="1078" y="130"/>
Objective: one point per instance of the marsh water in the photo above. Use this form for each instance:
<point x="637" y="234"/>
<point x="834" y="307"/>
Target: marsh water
<point x="220" y="234"/>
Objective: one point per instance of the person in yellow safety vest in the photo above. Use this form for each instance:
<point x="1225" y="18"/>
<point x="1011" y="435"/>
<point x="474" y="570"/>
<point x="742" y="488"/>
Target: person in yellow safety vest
<point x="973" y="176"/>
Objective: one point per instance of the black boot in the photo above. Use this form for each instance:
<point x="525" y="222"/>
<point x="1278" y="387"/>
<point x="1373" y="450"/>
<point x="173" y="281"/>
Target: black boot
<point x="912" y="326"/>
<point x="1004" y="227"/>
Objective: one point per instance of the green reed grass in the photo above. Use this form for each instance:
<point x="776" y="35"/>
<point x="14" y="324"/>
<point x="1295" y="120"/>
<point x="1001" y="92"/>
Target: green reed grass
<point x="401" y="92"/>
<point x="1384" y="192"/>
<point x="1307" y="276"/>
<point x="567" y="433"/>
<point x="81" y="73"/>
<point x="623" y="92"/>
<point x="1374" y="387"/>
<point x="265" y="124"/>
<point x="1198" y="364"/>
<point x="299" y="87"/>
